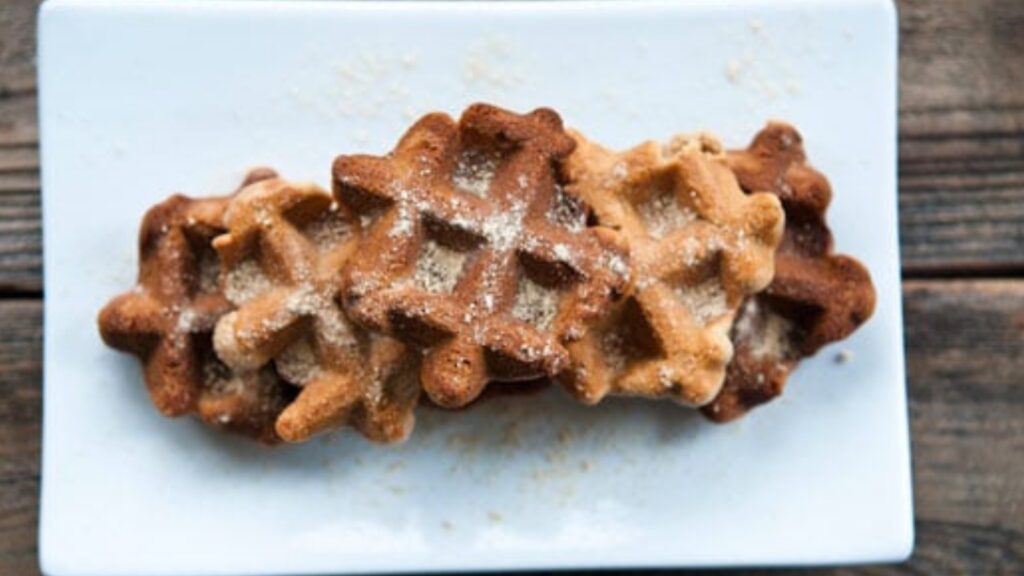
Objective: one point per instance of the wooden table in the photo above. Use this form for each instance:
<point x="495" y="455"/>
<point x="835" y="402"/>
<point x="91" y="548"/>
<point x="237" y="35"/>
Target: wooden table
<point x="962" y="226"/>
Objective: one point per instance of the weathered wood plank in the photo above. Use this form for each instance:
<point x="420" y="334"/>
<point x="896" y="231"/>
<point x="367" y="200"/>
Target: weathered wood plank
<point x="18" y="120"/>
<point x="962" y="135"/>
<point x="20" y="400"/>
<point x="20" y="214"/>
<point x="19" y="159"/>
<point x="20" y="232"/>
<point x="17" y="46"/>
<point x="971" y="49"/>
<point x="965" y="357"/>
<point x="965" y="354"/>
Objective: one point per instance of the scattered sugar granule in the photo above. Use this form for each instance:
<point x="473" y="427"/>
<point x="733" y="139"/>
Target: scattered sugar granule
<point x="733" y="71"/>
<point x="209" y="272"/>
<point x="186" y="320"/>
<point x="562" y="252"/>
<point x="705" y="301"/>
<point x="617" y="264"/>
<point x="298" y="363"/>
<point x="491" y="64"/>
<point x="474" y="173"/>
<point x="773" y="340"/>
<point x="333" y="327"/>
<point x="662" y="214"/>
<point x="328" y="231"/>
<point x="403" y="225"/>
<point x="535" y="304"/>
<point x="246" y="281"/>
<point x="438" y="268"/>
<point x="614" y="348"/>
<point x="665" y="378"/>
<point x="843" y="356"/>
<point x="504" y="230"/>
<point x="567" y="211"/>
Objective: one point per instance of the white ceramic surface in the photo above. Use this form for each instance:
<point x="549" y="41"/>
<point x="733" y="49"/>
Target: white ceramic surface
<point x="139" y="99"/>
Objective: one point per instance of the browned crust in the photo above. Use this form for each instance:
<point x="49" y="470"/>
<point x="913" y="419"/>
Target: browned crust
<point x="468" y="333"/>
<point x="167" y="321"/>
<point x="823" y="296"/>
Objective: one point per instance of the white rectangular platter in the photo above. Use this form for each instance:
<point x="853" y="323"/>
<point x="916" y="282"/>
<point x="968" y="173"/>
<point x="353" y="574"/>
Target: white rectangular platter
<point x="140" y="99"/>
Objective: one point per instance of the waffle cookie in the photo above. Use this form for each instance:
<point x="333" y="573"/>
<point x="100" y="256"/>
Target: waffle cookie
<point x="281" y="260"/>
<point x="495" y="249"/>
<point x="168" y="319"/>
<point x="698" y="246"/>
<point x="817" y="297"/>
<point x="473" y="253"/>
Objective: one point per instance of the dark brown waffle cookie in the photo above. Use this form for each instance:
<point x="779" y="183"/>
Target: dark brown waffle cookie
<point x="817" y="297"/>
<point x="168" y="319"/>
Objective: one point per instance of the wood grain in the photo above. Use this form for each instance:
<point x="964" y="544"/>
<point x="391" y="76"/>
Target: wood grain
<point x="962" y="136"/>
<point x="17" y="46"/>
<point x="20" y="400"/>
<point x="20" y="228"/>
<point x="965" y="355"/>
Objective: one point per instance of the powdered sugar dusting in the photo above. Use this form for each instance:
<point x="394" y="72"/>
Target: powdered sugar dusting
<point x="331" y="324"/>
<point x="403" y="224"/>
<point x="562" y="252"/>
<point x="246" y="281"/>
<point x="613" y="347"/>
<point x="743" y="328"/>
<point x="616" y="263"/>
<point x="771" y="338"/>
<point x="438" y="268"/>
<point x="535" y="304"/>
<point x="186" y="321"/>
<point x="409" y="206"/>
<point x="474" y="173"/>
<point x="328" y="231"/>
<point x="298" y="363"/>
<point x="665" y="377"/>
<point x="209" y="272"/>
<point x="504" y="230"/>
<point x="705" y="301"/>
<point x="662" y="214"/>
<point x="567" y="211"/>
<point x="775" y="341"/>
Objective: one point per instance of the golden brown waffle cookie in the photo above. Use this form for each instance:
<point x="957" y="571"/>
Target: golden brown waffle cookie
<point x="817" y="297"/>
<point x="698" y="246"/>
<point x="282" y="255"/>
<point x="168" y="319"/>
<point x="473" y="252"/>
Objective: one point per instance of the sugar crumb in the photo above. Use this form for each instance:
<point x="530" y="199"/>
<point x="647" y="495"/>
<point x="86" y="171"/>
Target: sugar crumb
<point x="535" y="304"/>
<point x="705" y="301"/>
<point x="663" y="214"/>
<point x="438" y="268"/>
